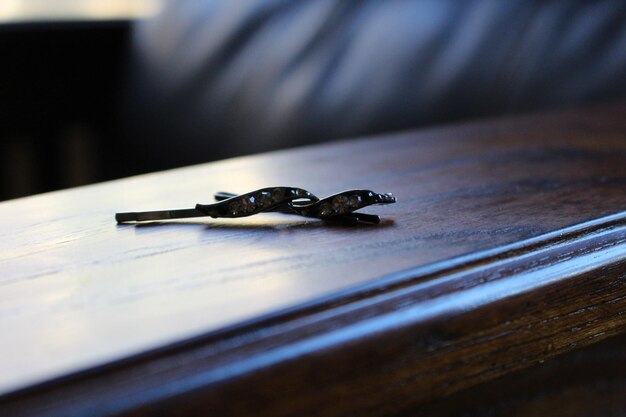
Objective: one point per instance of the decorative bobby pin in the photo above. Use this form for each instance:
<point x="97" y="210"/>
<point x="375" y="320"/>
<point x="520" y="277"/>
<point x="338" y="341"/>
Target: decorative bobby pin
<point x="289" y="200"/>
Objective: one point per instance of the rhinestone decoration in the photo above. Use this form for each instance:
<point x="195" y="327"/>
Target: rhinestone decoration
<point x="355" y="201"/>
<point x="326" y="209"/>
<point x="234" y="208"/>
<point x="290" y="200"/>
<point x="342" y="204"/>
<point x="299" y="201"/>
<point x="277" y="195"/>
<point x="264" y="199"/>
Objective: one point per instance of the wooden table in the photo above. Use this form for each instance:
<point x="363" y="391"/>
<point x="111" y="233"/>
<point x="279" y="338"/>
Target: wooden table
<point x="507" y="247"/>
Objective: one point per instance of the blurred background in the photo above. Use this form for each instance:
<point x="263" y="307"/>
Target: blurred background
<point x="92" y="90"/>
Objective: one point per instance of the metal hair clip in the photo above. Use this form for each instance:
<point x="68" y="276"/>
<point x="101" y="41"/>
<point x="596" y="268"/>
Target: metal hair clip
<point x="288" y="200"/>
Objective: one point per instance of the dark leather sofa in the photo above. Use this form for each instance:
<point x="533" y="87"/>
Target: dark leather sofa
<point x="213" y="79"/>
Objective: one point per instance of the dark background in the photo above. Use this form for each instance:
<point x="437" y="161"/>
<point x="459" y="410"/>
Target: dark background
<point x="60" y="88"/>
<point x="83" y="101"/>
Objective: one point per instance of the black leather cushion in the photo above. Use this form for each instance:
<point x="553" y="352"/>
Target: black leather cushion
<point x="219" y="78"/>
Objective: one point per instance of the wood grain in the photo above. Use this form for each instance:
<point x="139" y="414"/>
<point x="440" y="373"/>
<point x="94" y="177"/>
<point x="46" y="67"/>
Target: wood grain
<point x="585" y="383"/>
<point x="477" y="272"/>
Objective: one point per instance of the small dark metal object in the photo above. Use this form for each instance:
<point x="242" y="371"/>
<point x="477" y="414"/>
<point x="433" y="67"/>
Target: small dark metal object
<point x="290" y="200"/>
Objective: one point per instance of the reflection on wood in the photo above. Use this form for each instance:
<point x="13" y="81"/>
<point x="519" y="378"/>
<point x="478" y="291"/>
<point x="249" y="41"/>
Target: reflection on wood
<point x="481" y="271"/>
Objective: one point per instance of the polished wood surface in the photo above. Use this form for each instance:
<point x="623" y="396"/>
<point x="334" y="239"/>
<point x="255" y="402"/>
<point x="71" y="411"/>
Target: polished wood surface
<point x="482" y="268"/>
<point x="584" y="383"/>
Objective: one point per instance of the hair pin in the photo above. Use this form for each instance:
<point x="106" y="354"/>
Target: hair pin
<point x="289" y="200"/>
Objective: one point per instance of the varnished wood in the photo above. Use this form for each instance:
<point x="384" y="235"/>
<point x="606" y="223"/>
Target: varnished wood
<point x="585" y="383"/>
<point x="479" y="270"/>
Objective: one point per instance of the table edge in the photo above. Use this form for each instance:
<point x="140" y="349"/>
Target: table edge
<point x="418" y="311"/>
